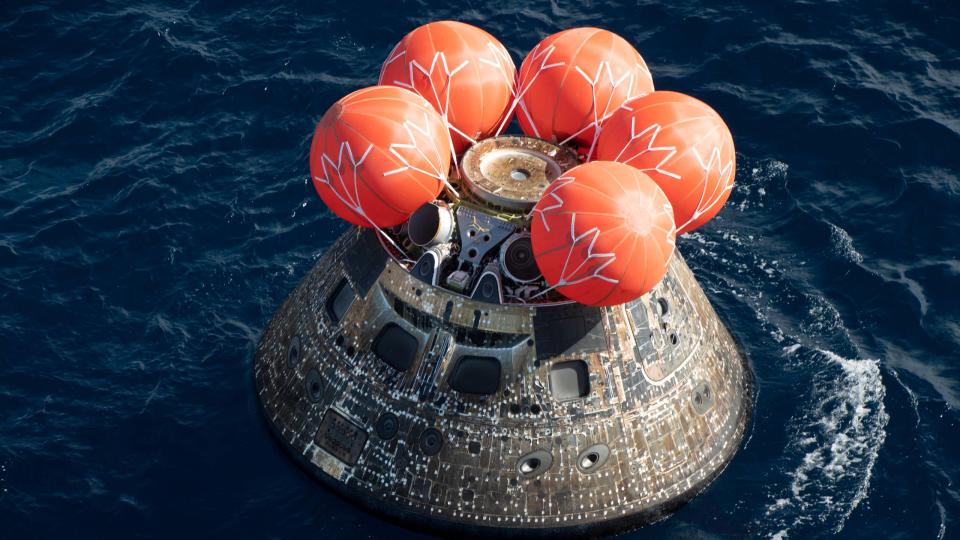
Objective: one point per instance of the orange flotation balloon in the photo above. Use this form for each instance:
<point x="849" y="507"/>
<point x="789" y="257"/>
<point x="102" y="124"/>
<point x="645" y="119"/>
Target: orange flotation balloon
<point x="572" y="81"/>
<point x="682" y="144"/>
<point x="603" y="233"/>
<point x="378" y="154"/>
<point x="462" y="70"/>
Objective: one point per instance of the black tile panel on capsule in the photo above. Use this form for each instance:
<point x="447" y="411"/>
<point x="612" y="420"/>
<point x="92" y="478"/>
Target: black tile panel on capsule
<point x="568" y="329"/>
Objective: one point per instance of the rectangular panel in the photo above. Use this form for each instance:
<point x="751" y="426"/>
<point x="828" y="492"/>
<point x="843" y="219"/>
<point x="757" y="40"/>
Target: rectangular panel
<point x="340" y="437"/>
<point x="366" y="261"/>
<point x="568" y="329"/>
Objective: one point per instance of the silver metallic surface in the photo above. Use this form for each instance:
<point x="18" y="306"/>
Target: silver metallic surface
<point x="667" y="398"/>
<point x="511" y="172"/>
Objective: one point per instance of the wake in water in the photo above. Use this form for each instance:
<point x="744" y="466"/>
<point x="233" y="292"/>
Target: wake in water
<point x="837" y="426"/>
<point x="834" y="447"/>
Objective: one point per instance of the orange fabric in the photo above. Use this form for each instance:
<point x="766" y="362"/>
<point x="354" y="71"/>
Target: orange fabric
<point x="463" y="71"/>
<point x="573" y="80"/>
<point x="683" y="145"/>
<point x="603" y="233"/>
<point x="378" y="154"/>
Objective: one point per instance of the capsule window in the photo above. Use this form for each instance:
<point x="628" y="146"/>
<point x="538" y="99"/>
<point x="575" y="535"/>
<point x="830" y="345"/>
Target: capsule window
<point x="340" y="301"/>
<point x="476" y="375"/>
<point x="396" y="346"/>
<point x="569" y="380"/>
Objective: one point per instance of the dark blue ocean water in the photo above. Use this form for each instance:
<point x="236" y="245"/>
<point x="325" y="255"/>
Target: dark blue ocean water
<point x="155" y="209"/>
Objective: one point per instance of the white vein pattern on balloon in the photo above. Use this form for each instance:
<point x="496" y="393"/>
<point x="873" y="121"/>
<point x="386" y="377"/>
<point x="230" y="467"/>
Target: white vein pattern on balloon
<point x="537" y="56"/>
<point x="498" y="59"/>
<point x="410" y="128"/>
<point x="543" y="57"/>
<point x="723" y="170"/>
<point x="349" y="194"/>
<point x="552" y="194"/>
<point x="724" y="185"/>
<point x="671" y="233"/>
<point x="594" y="81"/>
<point x="653" y="130"/>
<point x="575" y="275"/>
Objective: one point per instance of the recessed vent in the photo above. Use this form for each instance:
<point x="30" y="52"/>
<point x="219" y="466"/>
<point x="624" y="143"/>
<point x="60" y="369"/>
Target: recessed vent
<point x="702" y="398"/>
<point x="487" y="289"/>
<point x="427" y="265"/>
<point x="593" y="458"/>
<point x="431" y="442"/>
<point x="535" y="463"/>
<point x="293" y="352"/>
<point x="314" y="385"/>
<point x="664" y="306"/>
<point x="387" y="426"/>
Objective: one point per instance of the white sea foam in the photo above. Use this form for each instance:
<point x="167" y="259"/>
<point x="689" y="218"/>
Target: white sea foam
<point x="843" y="244"/>
<point x="942" y="512"/>
<point x="836" y="446"/>
<point x="838" y="428"/>
<point x="791" y="349"/>
<point x="752" y="189"/>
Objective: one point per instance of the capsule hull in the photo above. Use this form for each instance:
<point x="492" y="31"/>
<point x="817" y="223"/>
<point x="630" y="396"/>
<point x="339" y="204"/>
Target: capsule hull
<point x="463" y="416"/>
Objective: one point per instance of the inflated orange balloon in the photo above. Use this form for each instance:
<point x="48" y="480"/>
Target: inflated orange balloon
<point x="378" y="154"/>
<point x="682" y="144"/>
<point x="603" y="233"/>
<point x="572" y="81"/>
<point x="462" y="70"/>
